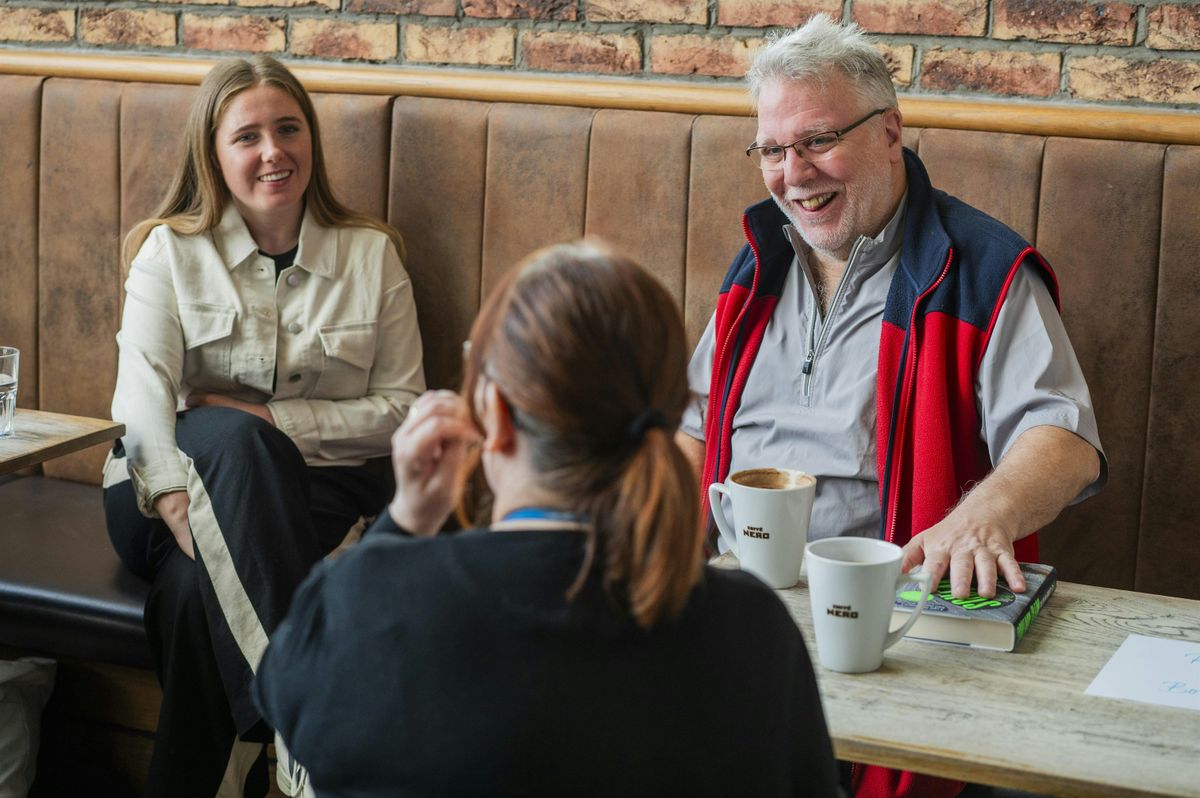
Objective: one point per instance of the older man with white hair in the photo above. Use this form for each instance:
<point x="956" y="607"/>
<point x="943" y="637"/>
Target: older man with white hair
<point x="899" y="344"/>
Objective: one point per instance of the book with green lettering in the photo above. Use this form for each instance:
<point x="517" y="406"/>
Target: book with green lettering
<point x="994" y="623"/>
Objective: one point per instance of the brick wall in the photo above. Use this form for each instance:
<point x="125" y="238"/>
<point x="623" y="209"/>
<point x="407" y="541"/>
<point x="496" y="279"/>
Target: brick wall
<point x="1145" y="53"/>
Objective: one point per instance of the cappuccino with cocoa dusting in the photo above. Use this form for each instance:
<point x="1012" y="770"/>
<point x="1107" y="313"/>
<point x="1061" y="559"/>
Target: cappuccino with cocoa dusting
<point x="772" y="478"/>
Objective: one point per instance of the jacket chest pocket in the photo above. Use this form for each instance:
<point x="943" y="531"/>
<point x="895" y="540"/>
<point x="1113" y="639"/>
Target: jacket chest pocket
<point x="207" y="338"/>
<point x="348" y="352"/>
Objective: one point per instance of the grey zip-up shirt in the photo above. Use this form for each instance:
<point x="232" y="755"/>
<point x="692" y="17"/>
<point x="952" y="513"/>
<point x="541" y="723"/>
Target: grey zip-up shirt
<point x="823" y="421"/>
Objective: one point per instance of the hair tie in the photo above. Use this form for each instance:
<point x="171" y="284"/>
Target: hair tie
<point x="647" y="419"/>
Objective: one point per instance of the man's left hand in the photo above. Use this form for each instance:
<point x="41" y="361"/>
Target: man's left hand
<point x="220" y="400"/>
<point x="1045" y="468"/>
<point x="967" y="546"/>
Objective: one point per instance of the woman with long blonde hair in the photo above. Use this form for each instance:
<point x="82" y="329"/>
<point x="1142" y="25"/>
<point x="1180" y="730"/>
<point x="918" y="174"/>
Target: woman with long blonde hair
<point x="268" y="350"/>
<point x="576" y="644"/>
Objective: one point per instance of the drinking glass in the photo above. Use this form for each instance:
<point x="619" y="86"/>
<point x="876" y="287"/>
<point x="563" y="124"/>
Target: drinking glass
<point x="9" y="362"/>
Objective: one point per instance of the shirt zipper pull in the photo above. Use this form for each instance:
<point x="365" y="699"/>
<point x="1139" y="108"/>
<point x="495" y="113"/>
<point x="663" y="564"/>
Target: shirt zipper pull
<point x="808" y="363"/>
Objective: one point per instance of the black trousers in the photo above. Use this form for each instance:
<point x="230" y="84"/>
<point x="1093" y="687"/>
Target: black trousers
<point x="260" y="518"/>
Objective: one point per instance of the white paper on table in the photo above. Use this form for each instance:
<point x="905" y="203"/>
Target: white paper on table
<point x="1152" y="670"/>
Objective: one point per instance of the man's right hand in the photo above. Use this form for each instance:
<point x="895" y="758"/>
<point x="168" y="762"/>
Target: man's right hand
<point x="173" y="509"/>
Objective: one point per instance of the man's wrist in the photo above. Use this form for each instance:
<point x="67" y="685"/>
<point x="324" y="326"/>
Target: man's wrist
<point x="992" y="510"/>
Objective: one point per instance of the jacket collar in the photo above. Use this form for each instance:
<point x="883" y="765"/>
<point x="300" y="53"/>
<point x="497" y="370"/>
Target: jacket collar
<point x="926" y="244"/>
<point x="318" y="244"/>
<point x="232" y="238"/>
<point x="764" y="228"/>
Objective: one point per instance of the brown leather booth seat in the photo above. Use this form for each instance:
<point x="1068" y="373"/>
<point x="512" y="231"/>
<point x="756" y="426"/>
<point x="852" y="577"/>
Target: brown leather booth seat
<point x="476" y="185"/>
<point x="80" y="603"/>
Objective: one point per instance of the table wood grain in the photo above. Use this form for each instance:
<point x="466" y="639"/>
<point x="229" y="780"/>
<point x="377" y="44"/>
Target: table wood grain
<point x="1020" y="719"/>
<point x="39" y="435"/>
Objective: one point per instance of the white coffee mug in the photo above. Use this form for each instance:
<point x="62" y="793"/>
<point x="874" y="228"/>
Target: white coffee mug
<point x="852" y="585"/>
<point x="771" y="511"/>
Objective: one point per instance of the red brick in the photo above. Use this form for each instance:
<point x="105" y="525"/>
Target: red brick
<point x="1111" y="78"/>
<point x="692" y="12"/>
<point x="991" y="72"/>
<point x="251" y="34"/>
<point x="899" y="60"/>
<point x="777" y="13"/>
<point x="1065" y="21"/>
<point x="521" y="9"/>
<point x="332" y="5"/>
<point x="441" y="45"/>
<point x="328" y="38"/>
<point x="723" y="56"/>
<point x="567" y="51"/>
<point x="36" y="25"/>
<point x="429" y="8"/>
<point x="1174" y="28"/>
<point x="127" y="27"/>
<point x="927" y="17"/>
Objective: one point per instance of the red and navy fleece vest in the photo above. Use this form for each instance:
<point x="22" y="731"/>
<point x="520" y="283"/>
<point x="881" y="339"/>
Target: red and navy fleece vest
<point x="956" y="265"/>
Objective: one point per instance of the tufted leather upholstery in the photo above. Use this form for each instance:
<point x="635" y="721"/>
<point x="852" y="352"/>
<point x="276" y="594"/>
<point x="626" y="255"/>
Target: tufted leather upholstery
<point x="20" y="97"/>
<point x="475" y="186"/>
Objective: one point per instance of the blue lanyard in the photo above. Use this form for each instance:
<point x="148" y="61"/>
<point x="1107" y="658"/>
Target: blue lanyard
<point x="544" y="514"/>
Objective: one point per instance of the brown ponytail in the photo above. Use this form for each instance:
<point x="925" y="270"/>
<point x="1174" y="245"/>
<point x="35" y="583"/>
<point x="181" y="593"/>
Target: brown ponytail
<point x="653" y="547"/>
<point x="590" y="352"/>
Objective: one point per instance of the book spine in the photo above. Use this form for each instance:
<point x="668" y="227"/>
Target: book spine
<point x="1044" y="591"/>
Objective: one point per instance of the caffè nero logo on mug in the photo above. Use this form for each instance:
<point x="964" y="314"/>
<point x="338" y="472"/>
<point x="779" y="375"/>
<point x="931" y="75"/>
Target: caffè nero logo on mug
<point x="756" y="532"/>
<point x="841" y="611"/>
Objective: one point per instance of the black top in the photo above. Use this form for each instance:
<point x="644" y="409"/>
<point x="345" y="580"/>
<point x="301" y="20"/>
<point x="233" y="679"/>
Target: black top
<point x="454" y="665"/>
<point x="283" y="260"/>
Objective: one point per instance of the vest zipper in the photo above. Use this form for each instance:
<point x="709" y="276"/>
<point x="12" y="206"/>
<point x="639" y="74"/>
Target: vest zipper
<point x="734" y="330"/>
<point x="898" y="431"/>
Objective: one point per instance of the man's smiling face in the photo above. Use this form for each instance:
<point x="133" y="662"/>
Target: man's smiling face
<point x="850" y="191"/>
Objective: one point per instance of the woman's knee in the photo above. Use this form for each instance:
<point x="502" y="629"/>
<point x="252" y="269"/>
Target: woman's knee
<point x="223" y="435"/>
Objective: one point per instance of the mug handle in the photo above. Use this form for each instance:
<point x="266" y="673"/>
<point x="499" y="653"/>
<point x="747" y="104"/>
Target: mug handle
<point x="714" y="501"/>
<point x="925" y="579"/>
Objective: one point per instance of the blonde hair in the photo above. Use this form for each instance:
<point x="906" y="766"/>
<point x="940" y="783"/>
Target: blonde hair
<point x="590" y="353"/>
<point x="198" y="195"/>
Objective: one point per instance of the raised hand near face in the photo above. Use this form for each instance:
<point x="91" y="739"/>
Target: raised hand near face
<point x="428" y="453"/>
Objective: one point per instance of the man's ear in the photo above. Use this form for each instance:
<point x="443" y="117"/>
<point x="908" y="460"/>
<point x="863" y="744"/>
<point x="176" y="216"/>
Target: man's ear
<point x="498" y="427"/>
<point x="893" y="129"/>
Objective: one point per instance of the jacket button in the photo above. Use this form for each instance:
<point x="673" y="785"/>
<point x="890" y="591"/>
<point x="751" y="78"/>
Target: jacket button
<point x="293" y="279"/>
<point x="294" y="327"/>
<point x="294" y="378"/>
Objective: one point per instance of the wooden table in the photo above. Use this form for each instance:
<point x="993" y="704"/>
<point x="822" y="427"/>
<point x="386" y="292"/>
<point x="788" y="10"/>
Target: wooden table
<point x="39" y="436"/>
<point x="1021" y="719"/>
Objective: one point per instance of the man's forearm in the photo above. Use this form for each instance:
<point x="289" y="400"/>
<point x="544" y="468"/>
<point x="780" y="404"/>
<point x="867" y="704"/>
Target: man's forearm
<point x="1040" y="474"/>
<point x="1044" y="470"/>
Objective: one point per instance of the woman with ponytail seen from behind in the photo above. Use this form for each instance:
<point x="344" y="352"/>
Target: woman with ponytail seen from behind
<point x="577" y="644"/>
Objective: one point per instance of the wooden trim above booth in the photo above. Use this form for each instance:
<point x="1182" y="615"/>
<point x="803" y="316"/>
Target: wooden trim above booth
<point x="1003" y="116"/>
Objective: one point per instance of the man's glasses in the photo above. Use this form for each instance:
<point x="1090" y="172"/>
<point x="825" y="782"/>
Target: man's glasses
<point x="810" y="148"/>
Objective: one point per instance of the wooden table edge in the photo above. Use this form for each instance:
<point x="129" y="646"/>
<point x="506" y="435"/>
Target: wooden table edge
<point x="103" y="431"/>
<point x="995" y="774"/>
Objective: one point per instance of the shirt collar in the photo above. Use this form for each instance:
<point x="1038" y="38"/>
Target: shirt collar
<point x="318" y="244"/>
